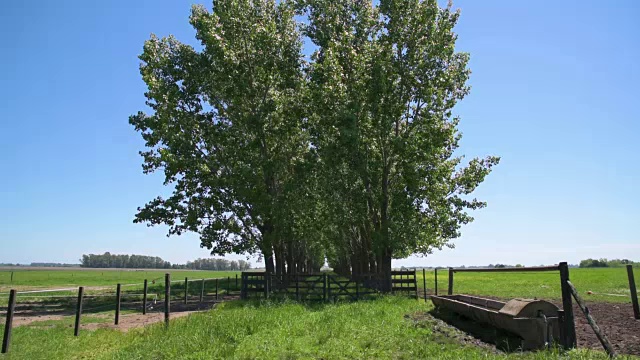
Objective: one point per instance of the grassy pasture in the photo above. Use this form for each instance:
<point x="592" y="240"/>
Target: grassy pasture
<point x="606" y="284"/>
<point x="25" y="279"/>
<point x="271" y="330"/>
<point x="101" y="282"/>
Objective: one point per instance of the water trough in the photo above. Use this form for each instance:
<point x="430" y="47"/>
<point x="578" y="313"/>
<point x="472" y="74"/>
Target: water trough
<point x="536" y="322"/>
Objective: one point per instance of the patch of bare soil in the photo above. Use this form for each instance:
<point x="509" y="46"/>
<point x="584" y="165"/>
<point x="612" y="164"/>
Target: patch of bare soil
<point x="26" y="320"/>
<point x="132" y="321"/>
<point x="127" y="321"/>
<point x="617" y="322"/>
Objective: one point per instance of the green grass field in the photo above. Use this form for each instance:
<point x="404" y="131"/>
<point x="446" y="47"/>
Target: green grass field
<point x="377" y="329"/>
<point x="247" y="330"/>
<point x="38" y="278"/>
<point x="607" y="284"/>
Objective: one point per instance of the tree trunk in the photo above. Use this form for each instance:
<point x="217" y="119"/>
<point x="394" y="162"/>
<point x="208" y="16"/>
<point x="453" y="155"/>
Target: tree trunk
<point x="268" y="261"/>
<point x="386" y="270"/>
<point x="384" y="227"/>
<point x="290" y="256"/>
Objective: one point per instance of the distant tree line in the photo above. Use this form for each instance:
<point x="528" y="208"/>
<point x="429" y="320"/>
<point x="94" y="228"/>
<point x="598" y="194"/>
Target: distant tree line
<point x="45" y="264"/>
<point x="600" y="263"/>
<point x="124" y="261"/>
<point x="218" y="264"/>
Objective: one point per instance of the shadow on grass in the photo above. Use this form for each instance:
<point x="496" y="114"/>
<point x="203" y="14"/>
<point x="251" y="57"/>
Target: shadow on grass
<point x="502" y="340"/>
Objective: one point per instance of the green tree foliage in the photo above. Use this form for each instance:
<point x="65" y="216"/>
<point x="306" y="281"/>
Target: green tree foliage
<point x="351" y="157"/>
<point x="124" y="261"/>
<point x="591" y="263"/>
<point x="383" y="85"/>
<point x="225" y="127"/>
<point x="218" y="264"/>
<point x="108" y="260"/>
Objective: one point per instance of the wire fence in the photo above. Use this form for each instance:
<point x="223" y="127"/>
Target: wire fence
<point x="112" y="304"/>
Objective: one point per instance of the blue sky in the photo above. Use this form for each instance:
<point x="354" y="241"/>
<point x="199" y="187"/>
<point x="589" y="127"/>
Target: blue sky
<point x="554" y="92"/>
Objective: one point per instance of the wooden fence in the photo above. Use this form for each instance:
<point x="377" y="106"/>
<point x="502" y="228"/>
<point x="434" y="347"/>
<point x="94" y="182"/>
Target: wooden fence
<point x="325" y="287"/>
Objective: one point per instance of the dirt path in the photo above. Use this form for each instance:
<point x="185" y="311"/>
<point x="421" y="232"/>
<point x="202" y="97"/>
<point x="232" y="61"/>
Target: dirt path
<point x="127" y="321"/>
<point x="133" y="321"/>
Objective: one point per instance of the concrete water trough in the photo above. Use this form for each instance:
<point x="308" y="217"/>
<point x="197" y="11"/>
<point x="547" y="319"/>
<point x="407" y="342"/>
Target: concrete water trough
<point x="536" y="322"/>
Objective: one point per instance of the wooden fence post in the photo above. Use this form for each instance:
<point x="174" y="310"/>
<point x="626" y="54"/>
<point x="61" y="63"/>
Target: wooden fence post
<point x="12" y="276"/>
<point x="435" y="290"/>
<point x="216" y="289"/>
<point x="236" y="282"/>
<point x="11" y="306"/>
<point x="297" y="288"/>
<point x="415" y="282"/>
<point x="167" y="298"/>
<point x="266" y="285"/>
<point x="202" y="291"/>
<point x="118" y="299"/>
<point x="569" y="341"/>
<point x="634" y="294"/>
<point x="450" y="290"/>
<point x="228" y="285"/>
<point x="243" y="286"/>
<point x="144" y="298"/>
<point x="357" y="290"/>
<point x="186" y="290"/>
<point x="324" y="287"/>
<point x="76" y="329"/>
<point x="424" y="283"/>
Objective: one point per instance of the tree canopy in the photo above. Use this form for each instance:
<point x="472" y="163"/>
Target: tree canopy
<point x="348" y="156"/>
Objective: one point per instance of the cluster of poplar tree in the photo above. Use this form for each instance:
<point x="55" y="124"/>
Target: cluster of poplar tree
<point x="125" y="261"/>
<point x="218" y="264"/>
<point x="343" y="149"/>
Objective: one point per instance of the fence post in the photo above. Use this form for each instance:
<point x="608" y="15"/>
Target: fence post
<point x="236" y="287"/>
<point x="266" y="285"/>
<point x="9" y="321"/>
<point x="186" y="289"/>
<point x="144" y="298"/>
<point x="118" y="295"/>
<point x="415" y="282"/>
<point x="435" y="290"/>
<point x="357" y="290"/>
<point x="596" y="329"/>
<point x="216" y="289"/>
<point x="167" y="298"/>
<point x="76" y="329"/>
<point x="243" y="287"/>
<point x="450" y="291"/>
<point x="12" y="276"/>
<point x="202" y="291"/>
<point x="634" y="294"/>
<point x="324" y="287"/>
<point x="569" y="341"/>
<point x="297" y="288"/>
<point x="424" y="284"/>
<point x="228" y="285"/>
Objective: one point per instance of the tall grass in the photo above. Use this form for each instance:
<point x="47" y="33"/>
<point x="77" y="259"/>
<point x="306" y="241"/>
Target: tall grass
<point x="376" y="329"/>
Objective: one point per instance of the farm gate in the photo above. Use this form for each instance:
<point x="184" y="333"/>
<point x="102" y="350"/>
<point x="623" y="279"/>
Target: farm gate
<point x="323" y="286"/>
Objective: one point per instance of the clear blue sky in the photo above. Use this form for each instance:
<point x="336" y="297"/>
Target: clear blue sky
<point x="554" y="92"/>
